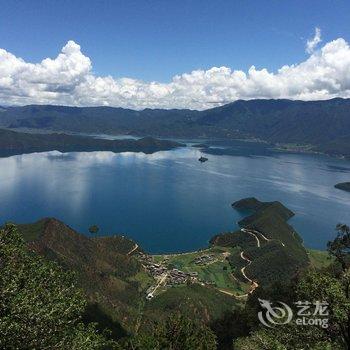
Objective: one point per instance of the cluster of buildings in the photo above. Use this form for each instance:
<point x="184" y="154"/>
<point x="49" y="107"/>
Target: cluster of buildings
<point x="168" y="276"/>
<point x="155" y="270"/>
<point x="176" y="276"/>
<point x="204" y="259"/>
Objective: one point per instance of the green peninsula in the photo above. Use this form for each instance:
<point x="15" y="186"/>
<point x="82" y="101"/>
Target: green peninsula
<point x="12" y="143"/>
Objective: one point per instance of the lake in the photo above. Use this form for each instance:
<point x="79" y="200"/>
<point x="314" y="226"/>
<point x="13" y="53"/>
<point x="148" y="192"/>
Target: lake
<point x="168" y="201"/>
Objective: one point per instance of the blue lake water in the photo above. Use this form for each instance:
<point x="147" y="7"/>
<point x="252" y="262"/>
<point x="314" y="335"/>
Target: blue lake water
<point x="168" y="201"/>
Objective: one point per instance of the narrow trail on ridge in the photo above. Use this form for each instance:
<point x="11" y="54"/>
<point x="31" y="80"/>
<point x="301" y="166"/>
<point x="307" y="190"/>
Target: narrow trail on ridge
<point x="253" y="284"/>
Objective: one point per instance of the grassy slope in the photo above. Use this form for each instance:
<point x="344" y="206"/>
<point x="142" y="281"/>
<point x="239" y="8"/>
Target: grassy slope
<point x="32" y="231"/>
<point x="195" y="301"/>
<point x="319" y="258"/>
<point x="220" y="272"/>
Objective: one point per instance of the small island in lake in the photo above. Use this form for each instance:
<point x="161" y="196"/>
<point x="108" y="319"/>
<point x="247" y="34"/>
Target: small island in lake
<point x="200" y="145"/>
<point x="203" y="159"/>
<point x="345" y="186"/>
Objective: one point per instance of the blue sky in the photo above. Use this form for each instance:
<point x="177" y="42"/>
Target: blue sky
<point x="154" y="40"/>
<point x="172" y="54"/>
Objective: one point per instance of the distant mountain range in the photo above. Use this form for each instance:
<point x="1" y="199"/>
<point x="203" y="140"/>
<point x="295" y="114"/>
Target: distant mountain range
<point x="322" y="126"/>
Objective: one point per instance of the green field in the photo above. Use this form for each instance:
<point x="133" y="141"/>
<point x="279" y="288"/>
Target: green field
<point x="217" y="272"/>
<point x="143" y="279"/>
<point x="319" y="258"/>
<point x="195" y="301"/>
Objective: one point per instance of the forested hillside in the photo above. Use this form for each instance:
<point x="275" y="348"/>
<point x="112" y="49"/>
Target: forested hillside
<point x="12" y="143"/>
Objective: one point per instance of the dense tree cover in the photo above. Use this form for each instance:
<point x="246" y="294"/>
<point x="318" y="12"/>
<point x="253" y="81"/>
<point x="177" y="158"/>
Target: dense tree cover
<point x="231" y="325"/>
<point x="335" y="291"/>
<point x="311" y="286"/>
<point x="40" y="305"/>
<point x="285" y="338"/>
<point x="340" y="246"/>
<point x="292" y="336"/>
<point x="176" y="333"/>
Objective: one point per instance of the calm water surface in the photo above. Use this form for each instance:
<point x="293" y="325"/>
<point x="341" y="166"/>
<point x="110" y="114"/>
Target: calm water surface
<point x="169" y="201"/>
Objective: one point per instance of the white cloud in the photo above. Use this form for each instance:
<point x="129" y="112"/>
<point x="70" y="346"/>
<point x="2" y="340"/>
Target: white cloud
<point x="311" y="44"/>
<point x="68" y="80"/>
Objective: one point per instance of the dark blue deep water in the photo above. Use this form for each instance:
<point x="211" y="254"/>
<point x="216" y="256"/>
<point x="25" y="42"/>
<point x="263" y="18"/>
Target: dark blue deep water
<point x="169" y="201"/>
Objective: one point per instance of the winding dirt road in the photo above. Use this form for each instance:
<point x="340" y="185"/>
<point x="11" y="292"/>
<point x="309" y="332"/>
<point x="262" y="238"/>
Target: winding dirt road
<point x="133" y="249"/>
<point x="264" y="237"/>
<point x="253" y="284"/>
<point x="254" y="235"/>
<point x="161" y="281"/>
